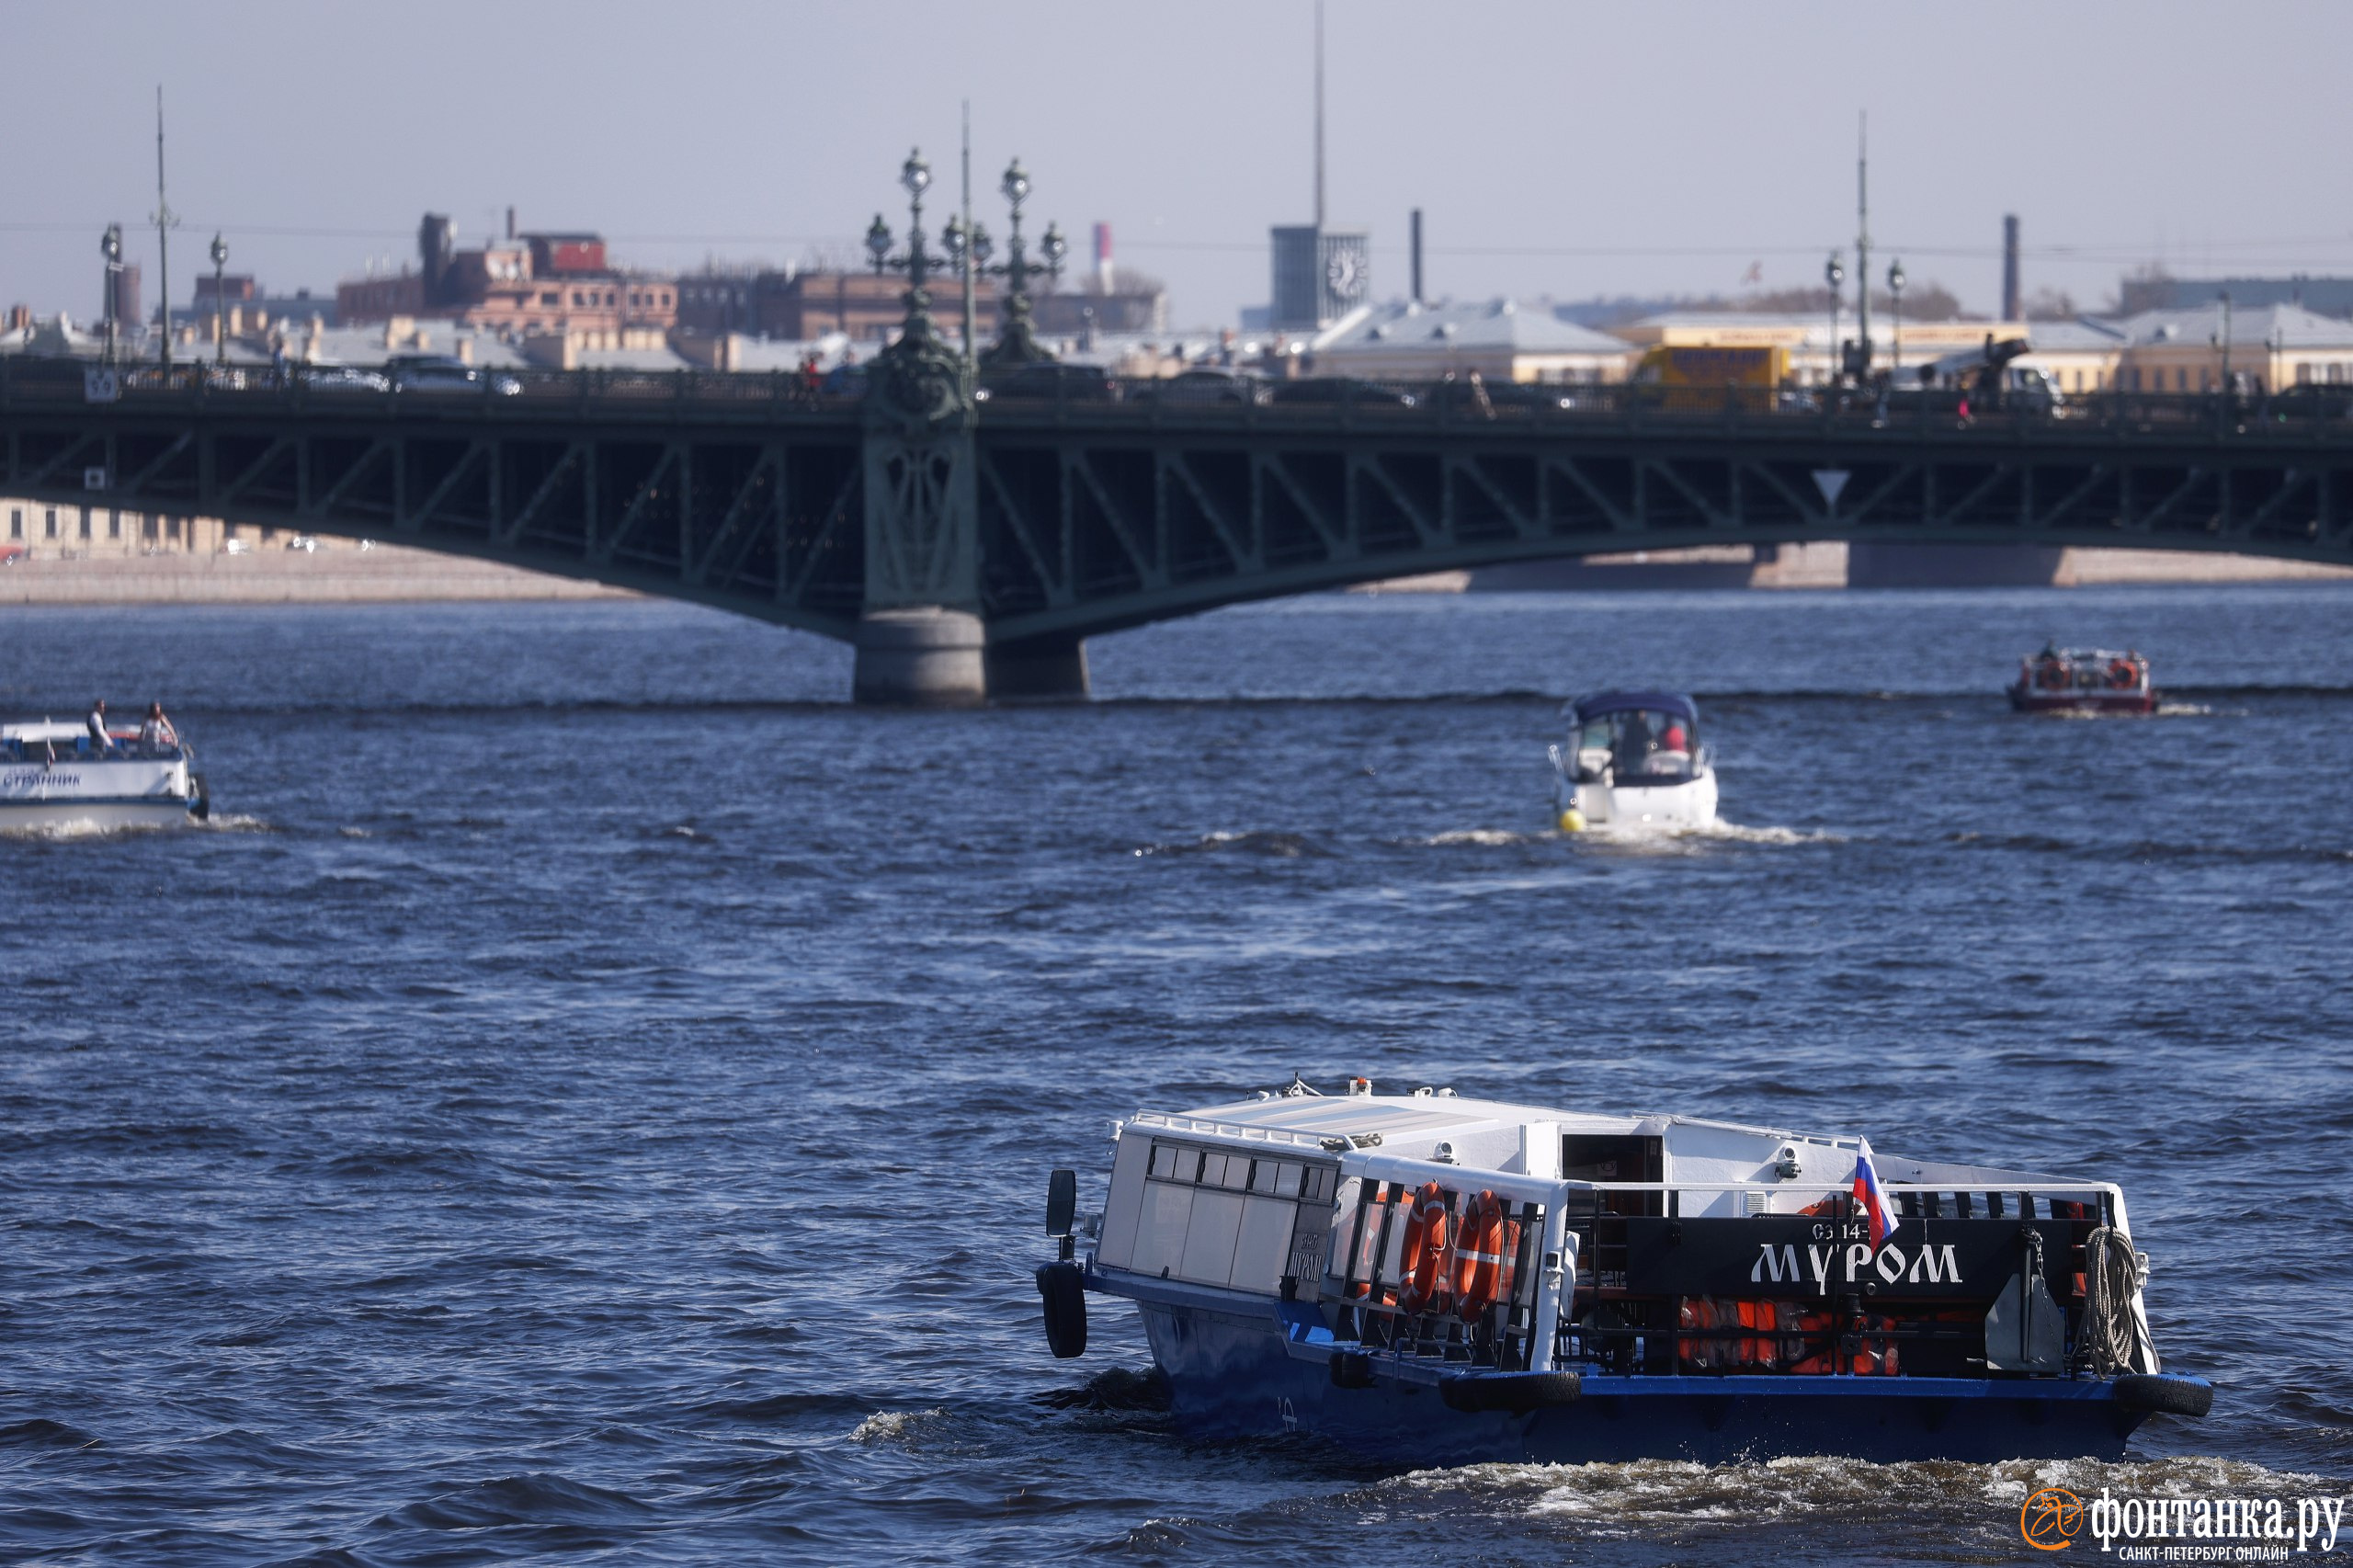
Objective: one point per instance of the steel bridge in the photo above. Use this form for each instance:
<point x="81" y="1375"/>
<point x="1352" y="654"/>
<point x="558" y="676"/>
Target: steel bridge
<point x="1030" y="524"/>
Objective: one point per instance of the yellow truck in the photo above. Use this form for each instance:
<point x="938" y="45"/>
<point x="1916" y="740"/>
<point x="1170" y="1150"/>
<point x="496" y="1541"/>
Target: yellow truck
<point x="1716" y="369"/>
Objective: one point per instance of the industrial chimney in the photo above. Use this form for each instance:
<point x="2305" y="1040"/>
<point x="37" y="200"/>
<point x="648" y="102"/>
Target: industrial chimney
<point x="1103" y="258"/>
<point x="2010" y="311"/>
<point x="1416" y="242"/>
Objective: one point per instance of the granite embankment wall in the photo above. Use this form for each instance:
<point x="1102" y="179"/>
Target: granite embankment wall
<point x="330" y="576"/>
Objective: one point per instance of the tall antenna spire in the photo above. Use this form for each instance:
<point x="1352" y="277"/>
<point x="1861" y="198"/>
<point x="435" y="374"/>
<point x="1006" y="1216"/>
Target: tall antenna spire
<point x="971" y="263"/>
<point x="1319" y="114"/>
<point x="164" y="220"/>
<point x="1863" y="240"/>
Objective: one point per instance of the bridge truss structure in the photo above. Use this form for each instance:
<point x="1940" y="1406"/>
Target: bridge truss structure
<point x="1041" y="522"/>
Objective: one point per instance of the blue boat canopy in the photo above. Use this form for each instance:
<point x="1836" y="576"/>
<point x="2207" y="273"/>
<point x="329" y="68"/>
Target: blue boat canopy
<point x="1604" y="702"/>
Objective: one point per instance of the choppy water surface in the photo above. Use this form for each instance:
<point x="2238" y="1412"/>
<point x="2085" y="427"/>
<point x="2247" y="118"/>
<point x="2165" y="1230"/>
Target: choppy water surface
<point x="591" y="1099"/>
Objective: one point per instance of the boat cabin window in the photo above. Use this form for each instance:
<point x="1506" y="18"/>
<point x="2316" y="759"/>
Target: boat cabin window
<point x="1223" y="1217"/>
<point x="1636" y="744"/>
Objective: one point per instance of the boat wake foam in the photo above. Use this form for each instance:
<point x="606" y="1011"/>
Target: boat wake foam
<point x="1648" y="1493"/>
<point x="1684" y="840"/>
<point x="234" y="821"/>
<point x="892" y="1425"/>
<point x="1276" y="846"/>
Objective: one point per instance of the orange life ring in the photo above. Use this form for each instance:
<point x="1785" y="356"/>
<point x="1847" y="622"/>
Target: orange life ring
<point x="1422" y="1280"/>
<point x="2050" y="675"/>
<point x="2121" y="676"/>
<point x="1483" y="1249"/>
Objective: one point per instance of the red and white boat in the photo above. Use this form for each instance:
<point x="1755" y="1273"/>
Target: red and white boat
<point x="2084" y="680"/>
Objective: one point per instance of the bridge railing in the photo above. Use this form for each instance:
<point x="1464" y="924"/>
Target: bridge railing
<point x="1196" y="397"/>
<point x="29" y="380"/>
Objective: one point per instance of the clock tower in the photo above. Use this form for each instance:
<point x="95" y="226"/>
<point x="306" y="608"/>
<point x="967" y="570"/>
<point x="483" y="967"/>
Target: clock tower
<point x="1320" y="274"/>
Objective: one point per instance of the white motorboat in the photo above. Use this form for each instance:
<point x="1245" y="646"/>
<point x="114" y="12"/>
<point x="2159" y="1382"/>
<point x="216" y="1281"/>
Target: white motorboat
<point x="1633" y="762"/>
<point x="52" y="777"/>
<point x="1440" y="1280"/>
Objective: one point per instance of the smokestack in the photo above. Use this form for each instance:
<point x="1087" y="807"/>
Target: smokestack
<point x="1416" y="242"/>
<point x="1103" y="256"/>
<point x="2010" y="311"/>
<point x="510" y="221"/>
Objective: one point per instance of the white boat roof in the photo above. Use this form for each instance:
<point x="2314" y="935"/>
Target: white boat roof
<point x="45" y="730"/>
<point x="1488" y="1132"/>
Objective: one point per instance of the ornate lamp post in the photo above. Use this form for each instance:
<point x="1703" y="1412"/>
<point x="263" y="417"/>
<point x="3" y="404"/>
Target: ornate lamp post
<point x="1834" y="272"/>
<point x="915" y="175"/>
<point x="219" y="301"/>
<point x="1896" y="294"/>
<point x="922" y="376"/>
<point x="1017" y="341"/>
<point x="110" y="247"/>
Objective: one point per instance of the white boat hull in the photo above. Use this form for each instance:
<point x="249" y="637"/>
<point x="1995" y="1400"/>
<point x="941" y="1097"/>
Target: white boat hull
<point x="1668" y="808"/>
<point x="52" y="816"/>
<point x="154" y="791"/>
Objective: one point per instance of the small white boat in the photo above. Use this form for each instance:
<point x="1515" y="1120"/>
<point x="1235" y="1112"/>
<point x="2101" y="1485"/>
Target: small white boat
<point x="1635" y="763"/>
<point x="51" y="777"/>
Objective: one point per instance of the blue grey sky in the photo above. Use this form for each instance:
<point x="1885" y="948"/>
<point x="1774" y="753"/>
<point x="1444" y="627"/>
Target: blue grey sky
<point x="1557" y="148"/>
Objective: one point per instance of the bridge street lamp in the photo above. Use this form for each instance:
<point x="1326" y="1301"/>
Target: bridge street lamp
<point x="1896" y="311"/>
<point x="1016" y="339"/>
<point x="110" y="247"/>
<point x="1834" y="272"/>
<point x="920" y="376"/>
<point x="220" y="302"/>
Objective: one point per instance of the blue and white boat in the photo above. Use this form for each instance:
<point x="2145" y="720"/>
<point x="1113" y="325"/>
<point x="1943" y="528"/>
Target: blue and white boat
<point x="1434" y="1280"/>
<point x="1633" y="762"/>
<point x="52" y="778"/>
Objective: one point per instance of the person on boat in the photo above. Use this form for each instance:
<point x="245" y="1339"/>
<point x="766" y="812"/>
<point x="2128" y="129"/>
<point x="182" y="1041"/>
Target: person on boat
<point x="97" y="724"/>
<point x="1636" y="741"/>
<point x="157" y="730"/>
<point x="1676" y="737"/>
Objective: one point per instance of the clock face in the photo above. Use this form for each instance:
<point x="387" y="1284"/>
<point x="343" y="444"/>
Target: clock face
<point x="1345" y="272"/>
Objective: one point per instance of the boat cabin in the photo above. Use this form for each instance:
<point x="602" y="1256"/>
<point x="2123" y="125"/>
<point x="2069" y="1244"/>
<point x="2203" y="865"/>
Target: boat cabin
<point x="1636" y="739"/>
<point x="1473" y="1233"/>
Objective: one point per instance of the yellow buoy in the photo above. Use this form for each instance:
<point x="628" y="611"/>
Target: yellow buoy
<point x="1573" y="820"/>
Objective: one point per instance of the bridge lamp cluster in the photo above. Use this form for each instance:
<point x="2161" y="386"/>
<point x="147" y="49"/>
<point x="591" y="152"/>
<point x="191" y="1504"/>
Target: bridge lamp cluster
<point x="219" y="301"/>
<point x="1895" y="281"/>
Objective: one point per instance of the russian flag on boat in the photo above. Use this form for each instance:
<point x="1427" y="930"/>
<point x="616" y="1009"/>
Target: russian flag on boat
<point x="1870" y="1198"/>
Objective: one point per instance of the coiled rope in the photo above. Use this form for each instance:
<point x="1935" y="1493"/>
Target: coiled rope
<point x="2113" y="1275"/>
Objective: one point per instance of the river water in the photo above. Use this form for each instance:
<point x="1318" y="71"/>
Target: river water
<point x="589" y="1097"/>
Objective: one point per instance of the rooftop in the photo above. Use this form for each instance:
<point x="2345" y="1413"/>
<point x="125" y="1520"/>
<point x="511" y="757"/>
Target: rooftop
<point x="1490" y="324"/>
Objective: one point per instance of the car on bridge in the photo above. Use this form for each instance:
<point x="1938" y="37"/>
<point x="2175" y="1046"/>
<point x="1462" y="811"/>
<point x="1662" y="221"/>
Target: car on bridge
<point x="1202" y="386"/>
<point x="2310" y="399"/>
<point x="1455" y="396"/>
<point x="1340" y="391"/>
<point x="446" y="373"/>
<point x="1049" y="382"/>
<point x="341" y="379"/>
